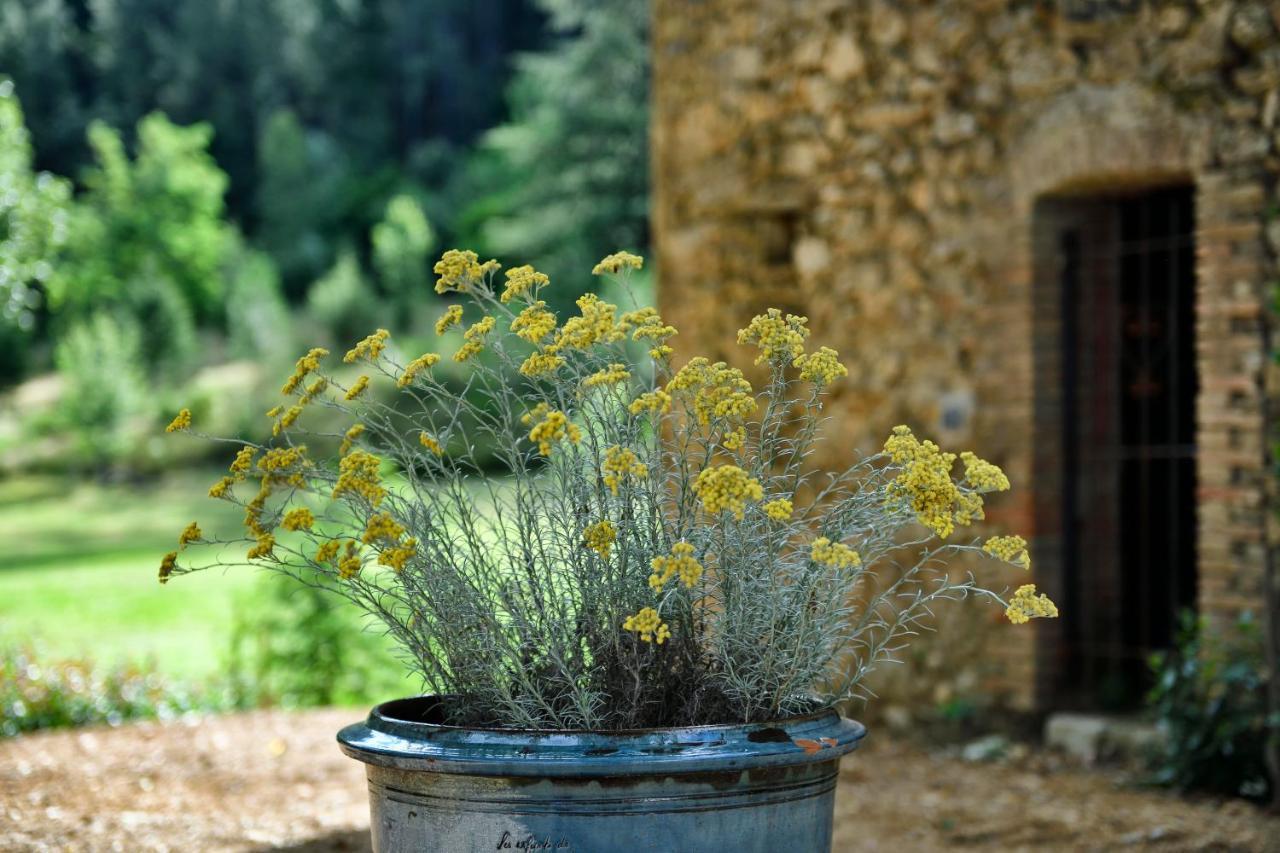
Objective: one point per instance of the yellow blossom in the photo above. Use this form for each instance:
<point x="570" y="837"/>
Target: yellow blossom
<point x="661" y="352"/>
<point x="619" y="464"/>
<point x="289" y="419"/>
<point x="599" y="537"/>
<point x="298" y="519"/>
<point x="190" y="534"/>
<point x="413" y="368"/>
<point x="982" y="475"/>
<point x="822" y="367"/>
<point x="350" y="564"/>
<point x="473" y="339"/>
<point x="1011" y="549"/>
<point x="262" y="548"/>
<point x="220" y="488"/>
<point x="734" y="438"/>
<point x="430" y="444"/>
<point x="716" y="390"/>
<point x="647" y="325"/>
<point x="358" y="475"/>
<point x="274" y="411"/>
<point x="554" y="426"/>
<point x="397" y="556"/>
<point x="680" y="562"/>
<point x="358" y="387"/>
<point x="654" y="402"/>
<point x="167" y="564"/>
<point x="180" y="422"/>
<point x="382" y="527"/>
<point x="540" y="363"/>
<point x="461" y="270"/>
<point x="327" y="551"/>
<point x="279" y="459"/>
<point x="775" y="335"/>
<point x="1026" y="605"/>
<point x="618" y="261"/>
<point x="522" y="280"/>
<point x="243" y="462"/>
<point x="834" y="554"/>
<point x="726" y="487"/>
<point x="594" y="325"/>
<point x="779" y="510"/>
<point x="534" y="323"/>
<point x="349" y="438"/>
<point x="925" y="480"/>
<point x="370" y="348"/>
<point x="611" y="375"/>
<point x="304" y="366"/>
<point x="449" y="319"/>
<point x="649" y="625"/>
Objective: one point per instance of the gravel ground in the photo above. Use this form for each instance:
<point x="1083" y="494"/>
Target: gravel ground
<point x="276" y="781"/>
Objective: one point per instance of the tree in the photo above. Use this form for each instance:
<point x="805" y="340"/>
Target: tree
<point x="402" y="244"/>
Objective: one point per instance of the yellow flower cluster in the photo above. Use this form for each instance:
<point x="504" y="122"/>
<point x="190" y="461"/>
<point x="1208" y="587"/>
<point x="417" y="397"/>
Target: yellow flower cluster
<point x="539" y="363"/>
<point x="189" y="534"/>
<point x="654" y="402"/>
<point x="599" y="537"/>
<point x="680" y="562"/>
<point x="382" y="527"/>
<point x="1026" y="605"/>
<point x="370" y="348"/>
<point x="521" y="281"/>
<point x="726" y="487"/>
<point x="413" y="368"/>
<point x="358" y="387"/>
<point x="550" y="426"/>
<point x="594" y="325"/>
<point x="834" y="554"/>
<point x="182" y="421"/>
<point x="619" y="464"/>
<point x="734" y="438"/>
<point x="779" y="510"/>
<point x="350" y="564"/>
<point x="926" y="481"/>
<point x="474" y="337"/>
<point x="243" y="462"/>
<point x="220" y="488"/>
<point x="290" y="416"/>
<point x="461" y="270"/>
<point x="534" y="323"/>
<point x="775" y="335"/>
<point x="304" y="366"/>
<point x="298" y="519"/>
<point x="430" y="444"/>
<point x="358" y="475"/>
<point x="611" y="375"/>
<point x="982" y="475"/>
<point x="262" y="548"/>
<point x="327" y="551"/>
<point x="349" y="438"/>
<point x="399" y="554"/>
<point x="168" y="563"/>
<point x="1011" y="549"/>
<point x="648" y="325"/>
<point x="649" y="625"/>
<point x="822" y="367"/>
<point x="449" y="319"/>
<point x="278" y="460"/>
<point x="618" y="261"/>
<point x="716" y="390"/>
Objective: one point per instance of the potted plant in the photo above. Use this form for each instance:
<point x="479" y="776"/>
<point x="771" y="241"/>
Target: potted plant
<point x="638" y="631"/>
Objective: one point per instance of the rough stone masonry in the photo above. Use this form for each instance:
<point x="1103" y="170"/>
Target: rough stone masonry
<point x="876" y="165"/>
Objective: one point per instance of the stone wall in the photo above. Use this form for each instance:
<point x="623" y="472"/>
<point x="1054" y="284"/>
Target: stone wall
<point x="875" y="165"/>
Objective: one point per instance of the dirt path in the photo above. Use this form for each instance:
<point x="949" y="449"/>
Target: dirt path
<point x="272" y="780"/>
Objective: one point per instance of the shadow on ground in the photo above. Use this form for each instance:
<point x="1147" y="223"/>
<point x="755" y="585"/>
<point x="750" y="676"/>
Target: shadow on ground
<point x="339" y="842"/>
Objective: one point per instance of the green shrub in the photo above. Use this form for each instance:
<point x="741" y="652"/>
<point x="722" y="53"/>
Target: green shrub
<point x="402" y="242"/>
<point x="42" y="694"/>
<point x="343" y="302"/>
<point x="258" y="320"/>
<point x="1210" y="698"/>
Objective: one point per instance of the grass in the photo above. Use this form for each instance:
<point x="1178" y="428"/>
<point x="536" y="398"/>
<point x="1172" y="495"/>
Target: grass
<point x="79" y="573"/>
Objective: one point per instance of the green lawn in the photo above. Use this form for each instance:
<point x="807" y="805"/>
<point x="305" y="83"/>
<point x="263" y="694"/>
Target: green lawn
<point x="78" y="577"/>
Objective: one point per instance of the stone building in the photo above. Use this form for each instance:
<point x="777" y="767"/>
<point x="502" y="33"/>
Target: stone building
<point x="1044" y="230"/>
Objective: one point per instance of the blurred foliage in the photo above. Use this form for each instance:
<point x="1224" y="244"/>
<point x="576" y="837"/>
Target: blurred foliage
<point x="33" y="214"/>
<point x="402" y="245"/>
<point x="1209" y="697"/>
<point x="37" y="693"/>
<point x="259" y="325"/>
<point x="158" y="217"/>
<point x="298" y="645"/>
<point x="343" y="302"/>
<point x="566" y="180"/>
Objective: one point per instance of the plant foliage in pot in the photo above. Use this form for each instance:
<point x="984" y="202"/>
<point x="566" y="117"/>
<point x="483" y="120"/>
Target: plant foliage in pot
<point x="641" y="630"/>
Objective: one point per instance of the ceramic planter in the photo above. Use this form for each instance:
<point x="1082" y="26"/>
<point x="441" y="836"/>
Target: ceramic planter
<point x="762" y="787"/>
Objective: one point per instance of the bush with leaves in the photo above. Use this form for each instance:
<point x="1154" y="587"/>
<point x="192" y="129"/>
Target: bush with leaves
<point x="1210" y="699"/>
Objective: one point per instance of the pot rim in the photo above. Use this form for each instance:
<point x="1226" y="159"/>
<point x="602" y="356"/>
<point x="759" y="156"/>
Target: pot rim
<point x="388" y="740"/>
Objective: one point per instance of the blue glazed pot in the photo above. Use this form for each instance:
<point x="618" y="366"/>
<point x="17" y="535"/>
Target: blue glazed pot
<point x="762" y="787"/>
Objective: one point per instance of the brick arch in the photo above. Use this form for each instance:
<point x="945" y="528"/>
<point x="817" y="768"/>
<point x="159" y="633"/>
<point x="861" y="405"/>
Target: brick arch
<point x="1094" y="138"/>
